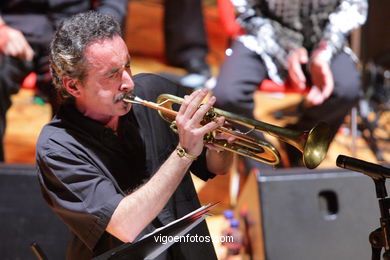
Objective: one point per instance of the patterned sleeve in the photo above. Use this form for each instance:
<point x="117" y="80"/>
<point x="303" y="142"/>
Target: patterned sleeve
<point x="349" y="15"/>
<point x="271" y="37"/>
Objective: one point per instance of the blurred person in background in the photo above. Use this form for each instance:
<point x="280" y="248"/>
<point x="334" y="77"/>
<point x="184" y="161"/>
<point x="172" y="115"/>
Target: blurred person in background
<point x="301" y="43"/>
<point x="185" y="38"/>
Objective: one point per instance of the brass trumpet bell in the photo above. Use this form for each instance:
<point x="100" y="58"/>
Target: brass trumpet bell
<point x="313" y="144"/>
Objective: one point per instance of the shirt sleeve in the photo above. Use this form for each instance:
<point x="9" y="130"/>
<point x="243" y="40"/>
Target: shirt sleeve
<point x="271" y="37"/>
<point x="199" y="167"/>
<point x="78" y="193"/>
<point x="349" y="15"/>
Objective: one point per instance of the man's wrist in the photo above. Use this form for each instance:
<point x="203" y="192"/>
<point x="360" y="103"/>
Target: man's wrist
<point x="323" y="53"/>
<point x="181" y="152"/>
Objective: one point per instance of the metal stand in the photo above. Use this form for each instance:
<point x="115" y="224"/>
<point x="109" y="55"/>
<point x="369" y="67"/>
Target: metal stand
<point x="376" y="101"/>
<point x="37" y="251"/>
<point x="367" y="126"/>
<point x="379" y="238"/>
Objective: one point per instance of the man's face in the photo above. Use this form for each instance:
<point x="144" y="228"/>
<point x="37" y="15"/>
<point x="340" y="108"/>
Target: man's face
<point x="108" y="77"/>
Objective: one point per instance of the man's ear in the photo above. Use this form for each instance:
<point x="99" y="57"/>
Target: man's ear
<point x="71" y="85"/>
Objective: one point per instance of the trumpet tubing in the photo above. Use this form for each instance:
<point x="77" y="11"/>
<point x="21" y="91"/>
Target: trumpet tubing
<point x="313" y="144"/>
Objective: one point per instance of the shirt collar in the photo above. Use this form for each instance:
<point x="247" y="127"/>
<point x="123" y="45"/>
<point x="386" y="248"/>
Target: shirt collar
<point x="68" y="113"/>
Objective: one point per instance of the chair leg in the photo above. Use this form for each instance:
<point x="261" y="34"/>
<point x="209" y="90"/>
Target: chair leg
<point x="353" y="130"/>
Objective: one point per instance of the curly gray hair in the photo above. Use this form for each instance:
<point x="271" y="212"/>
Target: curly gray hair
<point x="70" y="41"/>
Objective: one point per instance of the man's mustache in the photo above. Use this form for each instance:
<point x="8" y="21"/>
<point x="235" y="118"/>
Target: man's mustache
<point x="121" y="96"/>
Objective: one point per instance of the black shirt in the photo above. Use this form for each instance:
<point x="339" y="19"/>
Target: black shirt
<point x="85" y="170"/>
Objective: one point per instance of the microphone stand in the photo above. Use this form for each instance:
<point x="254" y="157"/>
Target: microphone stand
<point x="380" y="237"/>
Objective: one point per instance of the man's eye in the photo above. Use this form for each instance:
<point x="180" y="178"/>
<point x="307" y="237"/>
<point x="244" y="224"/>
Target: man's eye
<point x="113" y="75"/>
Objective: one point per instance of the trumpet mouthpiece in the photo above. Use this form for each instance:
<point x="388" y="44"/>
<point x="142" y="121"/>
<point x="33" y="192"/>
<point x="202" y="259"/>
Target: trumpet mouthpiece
<point x="131" y="98"/>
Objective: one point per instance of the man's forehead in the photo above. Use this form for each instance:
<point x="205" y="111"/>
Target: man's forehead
<point x="106" y="51"/>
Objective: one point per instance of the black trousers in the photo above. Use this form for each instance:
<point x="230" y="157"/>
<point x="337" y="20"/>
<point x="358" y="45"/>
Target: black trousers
<point x="184" y="30"/>
<point x="12" y="73"/>
<point x="243" y="71"/>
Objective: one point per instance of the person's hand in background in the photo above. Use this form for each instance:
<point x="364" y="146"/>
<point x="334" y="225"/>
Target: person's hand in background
<point x="13" y="43"/>
<point x="296" y="76"/>
<point x="321" y="77"/>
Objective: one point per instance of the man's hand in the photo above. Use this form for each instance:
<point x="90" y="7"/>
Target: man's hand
<point x="295" y="59"/>
<point x="322" y="80"/>
<point x="13" y="43"/>
<point x="190" y="130"/>
<point x="221" y="136"/>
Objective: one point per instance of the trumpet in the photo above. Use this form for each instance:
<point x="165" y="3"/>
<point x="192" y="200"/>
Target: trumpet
<point x="313" y="143"/>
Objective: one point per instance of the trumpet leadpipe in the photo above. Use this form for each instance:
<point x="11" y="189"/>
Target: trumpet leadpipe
<point x="131" y="98"/>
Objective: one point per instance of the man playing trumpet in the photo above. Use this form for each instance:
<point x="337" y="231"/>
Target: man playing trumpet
<point x="110" y="170"/>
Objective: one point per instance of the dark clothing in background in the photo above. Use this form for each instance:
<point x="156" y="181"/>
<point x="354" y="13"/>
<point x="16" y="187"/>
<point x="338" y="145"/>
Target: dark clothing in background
<point x="11" y="70"/>
<point x="243" y="71"/>
<point x="184" y="31"/>
<point x="37" y="20"/>
<point x="85" y="170"/>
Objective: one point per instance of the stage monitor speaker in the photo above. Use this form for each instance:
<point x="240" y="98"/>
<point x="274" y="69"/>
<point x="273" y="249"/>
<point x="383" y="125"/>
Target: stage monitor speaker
<point x="303" y="215"/>
<point x="25" y="218"/>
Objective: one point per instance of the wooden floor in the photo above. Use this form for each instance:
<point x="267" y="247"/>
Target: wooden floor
<point x="26" y="118"/>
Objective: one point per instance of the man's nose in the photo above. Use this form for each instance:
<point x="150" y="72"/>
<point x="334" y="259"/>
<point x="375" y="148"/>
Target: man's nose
<point x="127" y="81"/>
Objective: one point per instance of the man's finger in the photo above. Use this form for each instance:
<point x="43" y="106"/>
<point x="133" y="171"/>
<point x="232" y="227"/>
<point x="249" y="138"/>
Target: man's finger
<point x="27" y="51"/>
<point x="193" y="102"/>
<point x="329" y="85"/>
<point x="199" y="114"/>
<point x="315" y="97"/>
<point x="297" y="76"/>
<point x="211" y="126"/>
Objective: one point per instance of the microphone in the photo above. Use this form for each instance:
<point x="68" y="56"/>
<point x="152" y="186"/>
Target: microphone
<point x="375" y="171"/>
